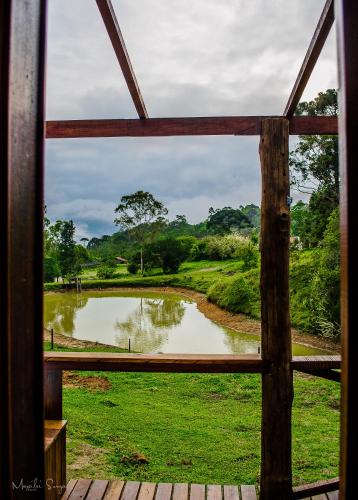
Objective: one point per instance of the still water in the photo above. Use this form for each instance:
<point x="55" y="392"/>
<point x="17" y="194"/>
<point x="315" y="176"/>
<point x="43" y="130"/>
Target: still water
<point x="154" y="322"/>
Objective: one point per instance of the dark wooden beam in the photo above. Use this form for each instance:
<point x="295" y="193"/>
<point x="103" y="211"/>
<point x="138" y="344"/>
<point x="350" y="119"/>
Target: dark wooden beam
<point x="318" y="488"/>
<point x="277" y="384"/>
<point x="22" y="49"/>
<point x="318" y="40"/>
<point x="110" y="20"/>
<point x="162" y="127"/>
<point x="317" y="363"/>
<point x="181" y="363"/>
<point x="347" y="22"/>
<point x="332" y="375"/>
<point x="52" y="392"/>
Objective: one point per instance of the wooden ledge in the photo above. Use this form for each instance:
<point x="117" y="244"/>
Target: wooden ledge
<point x="52" y="430"/>
<point x="316" y="363"/>
<point x="181" y="363"/>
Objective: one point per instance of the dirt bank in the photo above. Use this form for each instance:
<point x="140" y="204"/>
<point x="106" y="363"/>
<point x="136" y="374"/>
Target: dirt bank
<point x="234" y="321"/>
<point x="71" y="343"/>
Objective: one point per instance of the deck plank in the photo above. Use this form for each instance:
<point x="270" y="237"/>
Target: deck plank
<point x="248" y="492"/>
<point x="197" y="492"/>
<point x="114" y="490"/>
<point x="69" y="488"/>
<point x="81" y="489"/>
<point x="181" y="491"/>
<point x="164" y="491"/>
<point x="322" y="496"/>
<point x="214" y="492"/>
<point x="333" y="495"/>
<point x="130" y="491"/>
<point x="97" y="489"/>
<point x="231" y="492"/>
<point x="147" y="491"/>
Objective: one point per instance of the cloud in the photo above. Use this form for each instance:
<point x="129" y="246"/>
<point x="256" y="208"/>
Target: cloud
<point x="200" y="58"/>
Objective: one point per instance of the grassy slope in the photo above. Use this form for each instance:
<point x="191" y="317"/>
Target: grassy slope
<point x="193" y="428"/>
<point x="194" y="275"/>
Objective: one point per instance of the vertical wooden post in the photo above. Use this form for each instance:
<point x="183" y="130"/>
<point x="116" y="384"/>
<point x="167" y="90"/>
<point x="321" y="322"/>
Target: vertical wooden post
<point x="22" y="60"/>
<point x="53" y="393"/>
<point x="347" y="22"/>
<point x="277" y="387"/>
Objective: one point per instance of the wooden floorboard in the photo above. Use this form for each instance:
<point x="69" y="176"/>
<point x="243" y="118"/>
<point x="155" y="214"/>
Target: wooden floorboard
<point x="99" y="489"/>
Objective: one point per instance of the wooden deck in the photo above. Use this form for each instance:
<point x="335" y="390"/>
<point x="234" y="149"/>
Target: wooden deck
<point x="98" y="489"/>
<point x="132" y="490"/>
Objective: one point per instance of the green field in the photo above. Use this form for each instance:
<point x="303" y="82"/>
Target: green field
<point x="191" y="427"/>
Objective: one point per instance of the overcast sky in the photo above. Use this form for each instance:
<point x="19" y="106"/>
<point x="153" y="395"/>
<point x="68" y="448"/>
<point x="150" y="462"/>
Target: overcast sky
<point x="191" y="58"/>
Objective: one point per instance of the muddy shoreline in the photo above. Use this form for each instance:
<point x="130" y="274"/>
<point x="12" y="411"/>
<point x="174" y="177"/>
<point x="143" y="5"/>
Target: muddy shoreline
<point x="234" y="321"/>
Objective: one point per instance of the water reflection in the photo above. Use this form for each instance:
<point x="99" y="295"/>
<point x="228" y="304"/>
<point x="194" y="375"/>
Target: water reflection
<point x="60" y="313"/>
<point x="155" y="322"/>
<point x="148" y="325"/>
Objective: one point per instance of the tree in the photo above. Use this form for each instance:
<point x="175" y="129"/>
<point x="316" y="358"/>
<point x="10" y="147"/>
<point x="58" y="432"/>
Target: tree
<point x="314" y="166"/>
<point x="67" y="254"/>
<point x="226" y="220"/>
<point x="51" y="269"/>
<point x="325" y="287"/>
<point x="85" y="242"/>
<point x="142" y="216"/>
<point x="253" y="213"/>
<point x="171" y="252"/>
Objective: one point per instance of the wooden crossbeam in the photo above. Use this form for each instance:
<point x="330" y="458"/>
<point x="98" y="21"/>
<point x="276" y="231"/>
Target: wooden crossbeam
<point x="316" y="363"/>
<point x="333" y="375"/>
<point x="318" y="40"/>
<point x="181" y="363"/>
<point x="164" y="127"/>
<point x="318" y="488"/>
<point x="110" y="20"/>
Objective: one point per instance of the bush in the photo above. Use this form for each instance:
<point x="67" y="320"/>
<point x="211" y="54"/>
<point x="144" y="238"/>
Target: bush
<point x="233" y="294"/>
<point x="231" y="246"/>
<point x="51" y="269"/>
<point x="105" y="272"/>
<point x="133" y="268"/>
<point x="325" y="286"/>
<point x="172" y="252"/>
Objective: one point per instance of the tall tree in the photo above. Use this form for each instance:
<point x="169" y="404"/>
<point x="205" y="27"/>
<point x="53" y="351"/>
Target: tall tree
<point x="314" y="165"/>
<point x="142" y="216"/>
<point x="67" y="249"/>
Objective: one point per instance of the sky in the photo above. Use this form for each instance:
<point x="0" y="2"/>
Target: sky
<point x="191" y="58"/>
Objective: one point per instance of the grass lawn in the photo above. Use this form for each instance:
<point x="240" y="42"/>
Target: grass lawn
<point x="191" y="427"/>
<point x="197" y="276"/>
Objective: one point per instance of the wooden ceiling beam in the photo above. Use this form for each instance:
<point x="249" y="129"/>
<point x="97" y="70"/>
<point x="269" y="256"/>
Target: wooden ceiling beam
<point x="318" y="40"/>
<point x="110" y="20"/>
<point x="164" y="127"/>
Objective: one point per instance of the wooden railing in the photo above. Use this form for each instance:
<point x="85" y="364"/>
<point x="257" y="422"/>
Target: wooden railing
<point x="56" y="362"/>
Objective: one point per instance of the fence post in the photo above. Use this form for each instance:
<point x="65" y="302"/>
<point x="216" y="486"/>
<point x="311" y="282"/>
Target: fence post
<point x="277" y="385"/>
<point x="53" y="392"/>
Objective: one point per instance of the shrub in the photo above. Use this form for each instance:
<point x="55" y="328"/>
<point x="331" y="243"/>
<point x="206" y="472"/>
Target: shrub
<point x="172" y="252"/>
<point x="133" y="268"/>
<point x="51" y="269"/>
<point x="233" y="294"/>
<point x="105" y="272"/>
<point x="231" y="246"/>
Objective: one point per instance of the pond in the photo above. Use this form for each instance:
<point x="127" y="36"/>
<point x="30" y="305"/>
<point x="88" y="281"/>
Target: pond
<point x="154" y="322"/>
